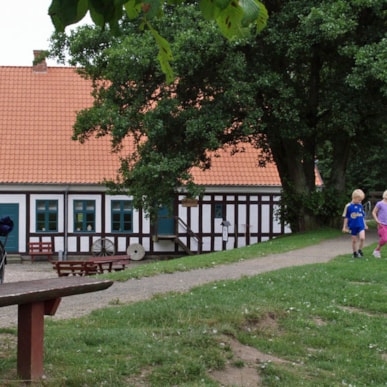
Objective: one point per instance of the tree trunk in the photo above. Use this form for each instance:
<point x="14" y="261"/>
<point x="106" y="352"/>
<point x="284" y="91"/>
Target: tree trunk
<point x="297" y="185"/>
<point x="335" y="195"/>
<point x="341" y="151"/>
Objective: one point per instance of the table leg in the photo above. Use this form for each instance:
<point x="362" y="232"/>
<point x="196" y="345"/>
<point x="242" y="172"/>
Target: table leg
<point x="30" y="340"/>
<point x="30" y="345"/>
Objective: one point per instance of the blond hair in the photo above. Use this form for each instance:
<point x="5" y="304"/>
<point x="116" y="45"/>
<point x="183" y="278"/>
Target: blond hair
<point x="385" y="194"/>
<point x="358" y="193"/>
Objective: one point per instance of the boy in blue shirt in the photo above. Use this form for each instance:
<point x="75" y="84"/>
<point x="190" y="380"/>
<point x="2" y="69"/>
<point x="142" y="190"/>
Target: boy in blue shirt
<point x="354" y="222"/>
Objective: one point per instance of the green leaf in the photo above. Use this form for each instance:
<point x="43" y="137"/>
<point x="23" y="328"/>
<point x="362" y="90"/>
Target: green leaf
<point x="262" y="18"/>
<point x="152" y="8"/>
<point x="234" y="17"/>
<point x="133" y="9"/>
<point x="254" y="12"/>
<point x="222" y="4"/>
<point x="230" y="21"/>
<point x="106" y="11"/>
<point x="66" y="12"/>
<point x="165" y="54"/>
<point x="251" y="10"/>
<point x="234" y="21"/>
<point x="209" y="9"/>
<point x="166" y="66"/>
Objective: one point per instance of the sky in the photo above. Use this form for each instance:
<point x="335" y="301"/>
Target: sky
<point x="24" y="26"/>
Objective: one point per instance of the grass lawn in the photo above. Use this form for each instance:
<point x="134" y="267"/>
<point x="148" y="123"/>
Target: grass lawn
<point x="278" y="245"/>
<point x="323" y="325"/>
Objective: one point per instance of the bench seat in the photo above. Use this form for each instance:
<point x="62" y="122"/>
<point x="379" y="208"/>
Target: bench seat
<point x="40" y="249"/>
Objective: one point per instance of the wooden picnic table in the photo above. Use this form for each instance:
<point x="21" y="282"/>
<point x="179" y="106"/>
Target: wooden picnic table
<point x="91" y="266"/>
<point x="110" y="263"/>
<point x="35" y="299"/>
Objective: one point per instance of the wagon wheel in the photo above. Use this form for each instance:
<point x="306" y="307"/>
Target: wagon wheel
<point x="102" y="247"/>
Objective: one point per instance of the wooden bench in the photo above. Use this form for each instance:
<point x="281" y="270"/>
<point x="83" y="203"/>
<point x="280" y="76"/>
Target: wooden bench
<point x="110" y="263"/>
<point x="35" y="299"/>
<point x="75" y="268"/>
<point x="40" y="248"/>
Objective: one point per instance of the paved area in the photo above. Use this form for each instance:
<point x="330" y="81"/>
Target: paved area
<point x="140" y="289"/>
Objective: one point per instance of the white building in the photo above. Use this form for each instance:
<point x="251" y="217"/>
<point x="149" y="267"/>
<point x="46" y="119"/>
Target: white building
<point x="51" y="185"/>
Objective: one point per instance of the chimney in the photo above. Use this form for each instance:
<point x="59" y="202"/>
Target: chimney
<point x="39" y="64"/>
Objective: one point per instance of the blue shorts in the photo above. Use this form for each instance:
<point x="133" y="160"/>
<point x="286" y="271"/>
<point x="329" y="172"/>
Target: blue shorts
<point x="355" y="231"/>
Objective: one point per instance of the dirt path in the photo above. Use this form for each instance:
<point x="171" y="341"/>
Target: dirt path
<point x="136" y="290"/>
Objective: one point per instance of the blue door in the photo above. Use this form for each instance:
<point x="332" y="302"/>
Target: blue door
<point x="11" y="210"/>
<point x="166" y="222"/>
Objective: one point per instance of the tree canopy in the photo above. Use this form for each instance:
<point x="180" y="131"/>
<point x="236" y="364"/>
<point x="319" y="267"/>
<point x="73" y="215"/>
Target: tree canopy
<point x="311" y="86"/>
<point x="235" y="18"/>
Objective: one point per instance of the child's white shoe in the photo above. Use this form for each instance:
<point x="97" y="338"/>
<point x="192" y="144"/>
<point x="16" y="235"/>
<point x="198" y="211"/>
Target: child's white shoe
<point x="376" y="253"/>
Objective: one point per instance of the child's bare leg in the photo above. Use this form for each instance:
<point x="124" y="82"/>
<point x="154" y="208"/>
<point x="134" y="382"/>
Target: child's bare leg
<point x="354" y="240"/>
<point x="361" y="239"/>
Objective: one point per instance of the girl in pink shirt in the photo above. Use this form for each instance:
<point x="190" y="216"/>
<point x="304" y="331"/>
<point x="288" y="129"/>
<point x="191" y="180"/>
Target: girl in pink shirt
<point x="380" y="215"/>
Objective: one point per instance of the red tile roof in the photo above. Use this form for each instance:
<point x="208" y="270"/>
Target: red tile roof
<point x="240" y="168"/>
<point x="37" y="111"/>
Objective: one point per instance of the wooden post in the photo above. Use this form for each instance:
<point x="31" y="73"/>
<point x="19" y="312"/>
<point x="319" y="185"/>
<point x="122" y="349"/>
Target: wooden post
<point x="35" y="299"/>
<point x="30" y="340"/>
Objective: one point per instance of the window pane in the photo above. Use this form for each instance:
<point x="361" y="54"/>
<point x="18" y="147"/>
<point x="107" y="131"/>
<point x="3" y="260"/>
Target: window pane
<point x="90" y="218"/>
<point x="52" y="222"/>
<point x="78" y="205"/>
<point x="47" y="215"/>
<point x="121" y="215"/>
<point x="40" y="226"/>
<point x="53" y="205"/>
<point x="84" y="215"/>
<point x="40" y="205"/>
<point x="40" y="217"/>
<point x="128" y="218"/>
<point x="128" y="222"/>
<point x="116" y="218"/>
<point x="127" y="205"/>
<point x="116" y="206"/>
<point x="52" y="226"/>
<point x="218" y="211"/>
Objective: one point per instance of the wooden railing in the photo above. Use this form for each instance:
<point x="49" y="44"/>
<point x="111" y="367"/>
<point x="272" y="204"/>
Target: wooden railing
<point x="190" y="232"/>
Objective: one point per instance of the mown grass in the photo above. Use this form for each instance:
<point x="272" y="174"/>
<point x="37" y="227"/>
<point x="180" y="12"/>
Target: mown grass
<point x="325" y="321"/>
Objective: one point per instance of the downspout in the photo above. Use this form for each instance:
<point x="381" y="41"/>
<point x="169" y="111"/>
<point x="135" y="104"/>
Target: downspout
<point x="66" y="221"/>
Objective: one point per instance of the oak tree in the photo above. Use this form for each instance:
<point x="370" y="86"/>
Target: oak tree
<point x="311" y="86"/>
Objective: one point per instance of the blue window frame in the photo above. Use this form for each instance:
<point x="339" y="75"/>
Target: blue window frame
<point x="122" y="216"/>
<point x="84" y="215"/>
<point x="47" y="215"/>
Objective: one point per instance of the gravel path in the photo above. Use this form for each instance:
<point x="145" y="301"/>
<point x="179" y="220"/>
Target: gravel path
<point x="140" y="289"/>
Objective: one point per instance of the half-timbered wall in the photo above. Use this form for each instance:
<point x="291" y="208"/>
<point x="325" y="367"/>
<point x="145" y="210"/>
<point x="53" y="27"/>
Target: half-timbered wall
<point x="245" y="219"/>
<point x="220" y="221"/>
